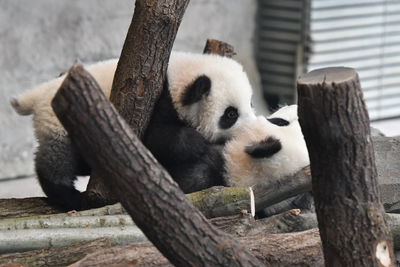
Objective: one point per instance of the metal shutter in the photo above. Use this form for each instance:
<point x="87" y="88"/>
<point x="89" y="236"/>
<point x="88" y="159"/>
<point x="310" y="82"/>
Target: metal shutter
<point x="363" y="34"/>
<point x="281" y="25"/>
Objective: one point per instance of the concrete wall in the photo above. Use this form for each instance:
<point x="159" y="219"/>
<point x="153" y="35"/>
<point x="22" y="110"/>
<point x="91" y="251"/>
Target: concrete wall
<point x="41" y="38"/>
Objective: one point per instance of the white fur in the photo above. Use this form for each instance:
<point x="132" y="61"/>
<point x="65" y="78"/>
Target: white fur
<point x="37" y="101"/>
<point x="230" y="86"/>
<point x="243" y="170"/>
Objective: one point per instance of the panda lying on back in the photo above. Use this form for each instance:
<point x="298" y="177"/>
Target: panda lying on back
<point x="265" y="150"/>
<point x="206" y="98"/>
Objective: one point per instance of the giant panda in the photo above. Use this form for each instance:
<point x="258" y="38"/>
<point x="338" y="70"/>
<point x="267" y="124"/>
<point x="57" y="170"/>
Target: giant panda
<point x="205" y="99"/>
<point x="266" y="149"/>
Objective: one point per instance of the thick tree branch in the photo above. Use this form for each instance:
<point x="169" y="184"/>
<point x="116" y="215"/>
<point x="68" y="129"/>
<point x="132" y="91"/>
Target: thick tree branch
<point x="335" y="125"/>
<point x="218" y="47"/>
<point x="144" y="188"/>
<point x="140" y="75"/>
<point x="142" y="66"/>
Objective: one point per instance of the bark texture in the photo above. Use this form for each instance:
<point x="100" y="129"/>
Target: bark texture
<point x="295" y="249"/>
<point x="144" y="188"/>
<point x="268" y="194"/>
<point x="335" y="124"/>
<point x="61" y="256"/>
<point x="140" y="75"/>
<point x="218" y="47"/>
<point x="142" y="66"/>
<point x="14" y="207"/>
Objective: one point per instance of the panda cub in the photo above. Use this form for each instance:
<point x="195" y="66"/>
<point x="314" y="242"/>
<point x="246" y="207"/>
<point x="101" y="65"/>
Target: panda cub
<point x="205" y="99"/>
<point x="267" y="149"/>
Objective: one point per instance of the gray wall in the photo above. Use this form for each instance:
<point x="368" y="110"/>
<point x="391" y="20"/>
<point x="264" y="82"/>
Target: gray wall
<point x="41" y="38"/>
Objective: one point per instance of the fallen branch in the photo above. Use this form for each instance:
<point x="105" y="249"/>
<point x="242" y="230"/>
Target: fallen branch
<point x="61" y="256"/>
<point x="270" y="193"/>
<point x="239" y="225"/>
<point x="223" y="201"/>
<point x="65" y="221"/>
<point x="16" y="207"/>
<point x="294" y="249"/>
<point x="212" y="202"/>
<point x="30" y="239"/>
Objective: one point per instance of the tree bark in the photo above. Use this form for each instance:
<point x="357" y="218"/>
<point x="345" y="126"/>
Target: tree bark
<point x="142" y="66"/>
<point x="270" y="193"/>
<point x="31" y="239"/>
<point x="140" y="75"/>
<point x="218" y="47"/>
<point x="14" y="207"/>
<point x="295" y="249"/>
<point x="61" y="256"/>
<point x="335" y="124"/>
<point x="144" y="188"/>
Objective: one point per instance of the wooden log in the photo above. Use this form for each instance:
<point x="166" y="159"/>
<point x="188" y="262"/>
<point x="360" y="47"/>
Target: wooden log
<point x="212" y="202"/>
<point x="335" y="125"/>
<point x="294" y="249"/>
<point x="218" y="47"/>
<point x="220" y="201"/>
<point x="142" y="66"/>
<point x="15" y="207"/>
<point x="244" y="224"/>
<point x="65" y="221"/>
<point x="140" y="75"/>
<point x="61" y="256"/>
<point x="31" y="239"/>
<point x="270" y="193"/>
<point x="144" y="188"/>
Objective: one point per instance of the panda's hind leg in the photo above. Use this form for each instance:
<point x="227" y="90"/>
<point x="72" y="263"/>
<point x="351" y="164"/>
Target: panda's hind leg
<point x="56" y="166"/>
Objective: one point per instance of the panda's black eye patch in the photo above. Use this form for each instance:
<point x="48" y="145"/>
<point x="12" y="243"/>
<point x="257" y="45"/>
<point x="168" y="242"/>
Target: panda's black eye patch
<point x="229" y="118"/>
<point x="278" y="121"/>
<point x="196" y="90"/>
<point x="264" y="149"/>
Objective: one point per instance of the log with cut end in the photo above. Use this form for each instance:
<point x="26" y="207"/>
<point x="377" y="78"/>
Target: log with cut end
<point x="270" y="193"/>
<point x="335" y="124"/>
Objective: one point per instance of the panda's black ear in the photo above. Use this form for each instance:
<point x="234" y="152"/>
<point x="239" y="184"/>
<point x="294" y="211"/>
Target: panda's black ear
<point x="278" y="121"/>
<point x="264" y="149"/>
<point x="196" y="90"/>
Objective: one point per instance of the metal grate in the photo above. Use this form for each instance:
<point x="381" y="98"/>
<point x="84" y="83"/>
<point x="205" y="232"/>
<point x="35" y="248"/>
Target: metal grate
<point x="363" y="34"/>
<point x="281" y="25"/>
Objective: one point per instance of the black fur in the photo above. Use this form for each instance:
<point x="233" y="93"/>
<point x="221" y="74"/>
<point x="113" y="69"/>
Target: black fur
<point x="264" y="149"/>
<point x="191" y="160"/>
<point x="195" y="91"/>
<point x="279" y="121"/>
<point x="57" y="165"/>
<point x="229" y="118"/>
